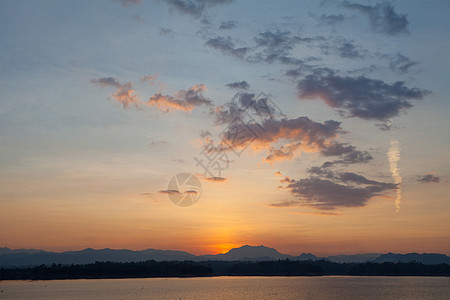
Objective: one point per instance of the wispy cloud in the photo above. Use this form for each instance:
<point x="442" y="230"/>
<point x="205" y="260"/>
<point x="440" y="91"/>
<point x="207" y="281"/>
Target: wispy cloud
<point x="155" y="143"/>
<point x="239" y="85"/>
<point x="179" y="160"/>
<point x="401" y="63"/>
<point x="170" y="192"/>
<point x="126" y="3"/>
<point x="194" y="8"/>
<point x="394" y="157"/>
<point x="150" y="78"/>
<point x="428" y="178"/>
<point x="165" y="31"/>
<point x="228" y="25"/>
<point x="330" y="20"/>
<point x="125" y="93"/>
<point x="382" y="17"/>
<point x="184" y="100"/>
<point x="321" y="213"/>
<point x="216" y="179"/>
<point x="226" y="46"/>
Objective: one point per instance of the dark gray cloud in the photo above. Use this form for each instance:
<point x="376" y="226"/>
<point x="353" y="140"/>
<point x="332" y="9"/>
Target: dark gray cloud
<point x="296" y="135"/>
<point x="338" y="149"/>
<point x="329" y="190"/>
<point x="226" y="46"/>
<point x="428" y="178"/>
<point x="321" y="171"/>
<point x="349" y="177"/>
<point x="270" y="46"/>
<point x="240" y="85"/>
<point x="260" y="106"/>
<point x="348" y="153"/>
<point x="194" y="8"/>
<point x="331" y="194"/>
<point x="278" y="45"/>
<point x="228" y="113"/>
<point x="382" y="17"/>
<point x="257" y="120"/>
<point x="247" y="107"/>
<point x="342" y="47"/>
<point x="106" y="81"/>
<point x="401" y="63"/>
<point x="348" y="50"/>
<point x="360" y="97"/>
<point x="228" y="25"/>
<point x="165" y="31"/>
<point x="386" y="126"/>
<point x="331" y="19"/>
<point x="282" y="41"/>
<point x="126" y="3"/>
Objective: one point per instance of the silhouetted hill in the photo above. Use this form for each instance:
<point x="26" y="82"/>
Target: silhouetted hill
<point x="32" y="257"/>
<point x="6" y="250"/>
<point x="424" y="258"/>
<point x="307" y="256"/>
<point x="248" y="253"/>
<point x="90" y="255"/>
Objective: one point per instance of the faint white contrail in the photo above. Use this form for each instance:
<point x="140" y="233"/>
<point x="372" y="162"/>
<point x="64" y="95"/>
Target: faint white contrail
<point x="394" y="156"/>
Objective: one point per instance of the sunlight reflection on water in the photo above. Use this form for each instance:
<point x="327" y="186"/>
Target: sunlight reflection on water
<point x="327" y="287"/>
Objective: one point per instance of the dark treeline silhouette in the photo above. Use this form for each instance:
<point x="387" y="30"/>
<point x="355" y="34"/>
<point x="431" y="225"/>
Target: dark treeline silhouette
<point x="153" y="268"/>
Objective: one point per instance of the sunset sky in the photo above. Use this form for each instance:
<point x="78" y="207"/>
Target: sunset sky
<point x="326" y="122"/>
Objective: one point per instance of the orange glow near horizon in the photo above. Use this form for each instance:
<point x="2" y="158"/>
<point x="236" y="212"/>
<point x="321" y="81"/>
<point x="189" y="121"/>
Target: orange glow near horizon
<point x="223" y="248"/>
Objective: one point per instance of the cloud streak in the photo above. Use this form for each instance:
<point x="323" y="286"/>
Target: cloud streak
<point x="393" y="155"/>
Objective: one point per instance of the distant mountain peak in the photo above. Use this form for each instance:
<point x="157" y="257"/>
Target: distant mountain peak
<point x="255" y="249"/>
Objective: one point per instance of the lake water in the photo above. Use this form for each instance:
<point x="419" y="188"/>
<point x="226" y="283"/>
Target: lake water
<point x="327" y="287"/>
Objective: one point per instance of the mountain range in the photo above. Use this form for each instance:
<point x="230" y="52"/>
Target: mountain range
<point x="32" y="257"/>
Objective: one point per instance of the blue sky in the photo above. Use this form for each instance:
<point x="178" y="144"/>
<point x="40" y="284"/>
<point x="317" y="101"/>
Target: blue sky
<point x="357" y="132"/>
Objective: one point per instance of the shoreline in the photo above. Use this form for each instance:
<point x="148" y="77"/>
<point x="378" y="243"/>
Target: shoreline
<point x="223" y="276"/>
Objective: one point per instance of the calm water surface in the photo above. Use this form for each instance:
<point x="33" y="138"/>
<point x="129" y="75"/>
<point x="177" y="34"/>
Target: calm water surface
<point x="328" y="287"/>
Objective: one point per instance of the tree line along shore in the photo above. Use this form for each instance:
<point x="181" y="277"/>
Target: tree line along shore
<point x="151" y="268"/>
